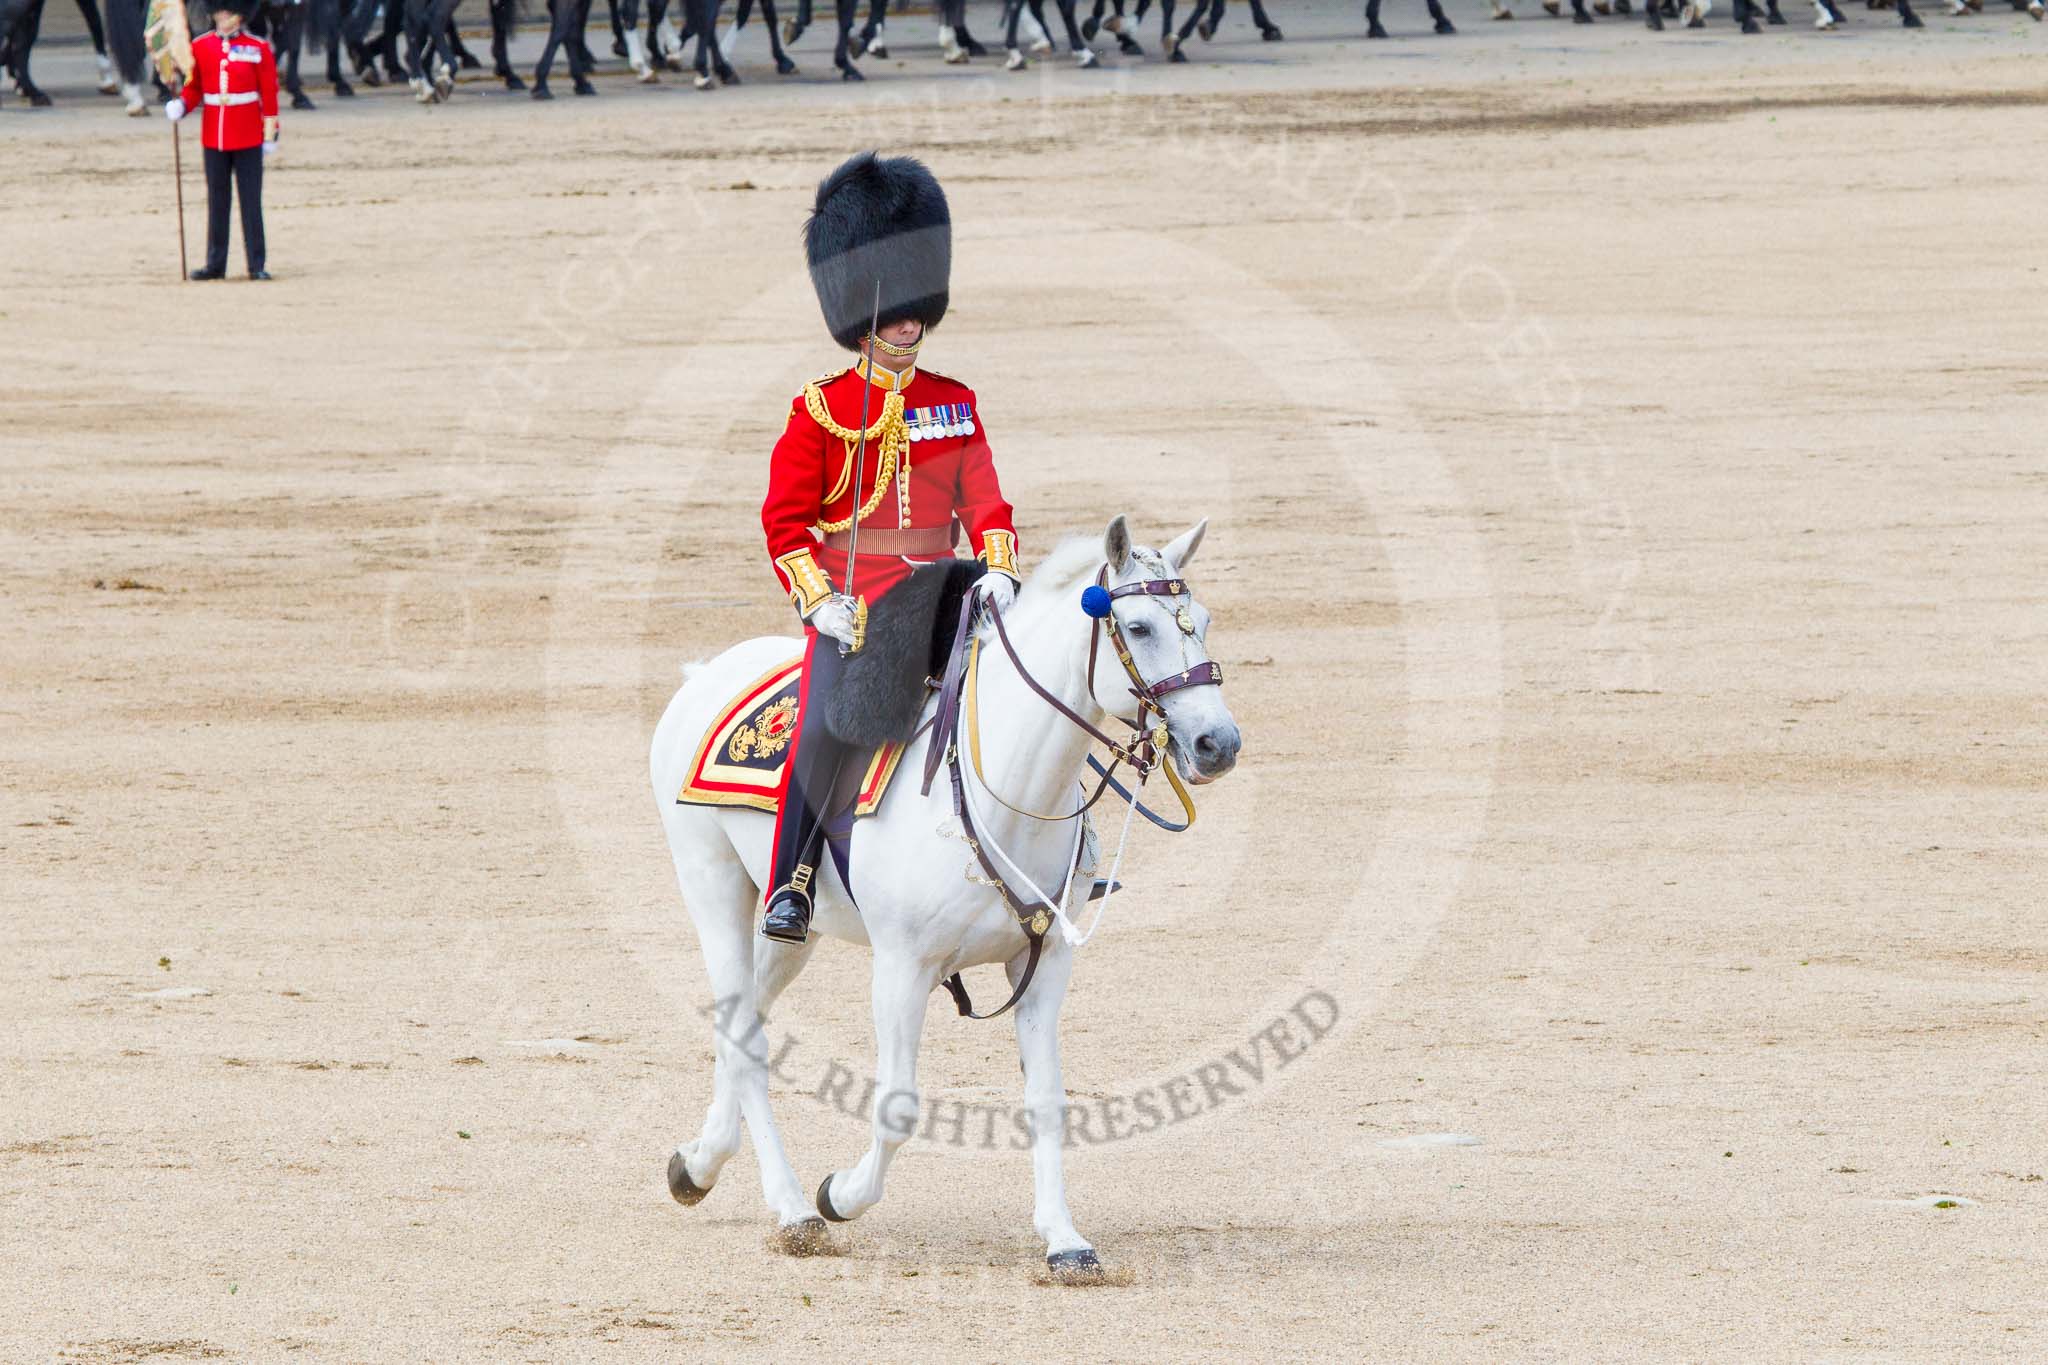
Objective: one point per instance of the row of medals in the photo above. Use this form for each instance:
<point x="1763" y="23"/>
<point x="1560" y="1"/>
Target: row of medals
<point x="947" y="419"/>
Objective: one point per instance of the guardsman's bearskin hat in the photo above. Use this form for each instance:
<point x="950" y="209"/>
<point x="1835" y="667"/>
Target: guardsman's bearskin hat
<point x="241" y="9"/>
<point x="884" y="219"/>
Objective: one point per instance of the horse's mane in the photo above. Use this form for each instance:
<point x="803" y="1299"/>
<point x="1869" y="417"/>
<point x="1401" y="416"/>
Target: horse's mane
<point x="1060" y="570"/>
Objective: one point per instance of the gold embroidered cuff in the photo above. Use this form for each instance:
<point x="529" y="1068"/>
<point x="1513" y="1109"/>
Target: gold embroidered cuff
<point x="808" y="585"/>
<point x="999" y="552"/>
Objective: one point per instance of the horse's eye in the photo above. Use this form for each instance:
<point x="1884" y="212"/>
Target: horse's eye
<point x="1138" y="629"/>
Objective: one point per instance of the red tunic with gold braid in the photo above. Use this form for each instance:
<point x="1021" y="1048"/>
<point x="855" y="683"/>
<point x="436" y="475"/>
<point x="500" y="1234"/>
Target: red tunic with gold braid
<point x="928" y="467"/>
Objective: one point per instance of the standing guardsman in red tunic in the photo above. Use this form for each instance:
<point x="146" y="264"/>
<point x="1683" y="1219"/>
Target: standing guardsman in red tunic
<point x="233" y="86"/>
<point x="927" y="472"/>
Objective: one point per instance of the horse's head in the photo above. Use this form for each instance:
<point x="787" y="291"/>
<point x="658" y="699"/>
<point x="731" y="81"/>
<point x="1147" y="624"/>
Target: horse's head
<point x="1153" y="611"/>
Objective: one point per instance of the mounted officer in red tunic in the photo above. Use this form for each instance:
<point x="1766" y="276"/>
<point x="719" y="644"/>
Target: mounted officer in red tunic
<point x="889" y="448"/>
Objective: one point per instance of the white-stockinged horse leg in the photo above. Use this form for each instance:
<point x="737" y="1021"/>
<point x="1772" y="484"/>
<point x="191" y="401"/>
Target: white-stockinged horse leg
<point x="902" y="986"/>
<point x="1045" y="1102"/>
<point x="728" y="42"/>
<point x="721" y="897"/>
<point x="636" y="55"/>
<point x="712" y="850"/>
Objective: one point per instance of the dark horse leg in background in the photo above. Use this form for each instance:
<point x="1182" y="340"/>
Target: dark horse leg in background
<point x="21" y="40"/>
<point x="354" y="29"/>
<point x="783" y="65"/>
<point x="126" y="43"/>
<point x="568" y="17"/>
<point x="842" y="56"/>
<point x="288" y="37"/>
<point x="579" y="41"/>
<point x="1076" y="44"/>
<point x="704" y="20"/>
<point x="504" y="18"/>
<point x="465" y="60"/>
<point x="1372" y="19"/>
<point x="871" y="43"/>
<point x="1268" y="30"/>
<point x="1125" y="43"/>
<point x="99" y="44"/>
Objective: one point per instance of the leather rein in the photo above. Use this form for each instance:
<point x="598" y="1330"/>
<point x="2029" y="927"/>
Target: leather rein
<point x="1145" y="752"/>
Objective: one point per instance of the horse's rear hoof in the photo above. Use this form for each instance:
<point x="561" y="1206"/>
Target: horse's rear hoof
<point x="807" y="1238"/>
<point x="680" y="1185"/>
<point x="1271" y="34"/>
<point x="1075" y="1267"/>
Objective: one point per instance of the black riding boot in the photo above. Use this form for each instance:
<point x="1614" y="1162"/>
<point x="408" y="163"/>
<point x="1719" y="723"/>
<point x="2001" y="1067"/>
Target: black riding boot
<point x="800" y="831"/>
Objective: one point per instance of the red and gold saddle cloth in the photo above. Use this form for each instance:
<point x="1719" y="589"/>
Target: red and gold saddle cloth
<point x="741" y="759"/>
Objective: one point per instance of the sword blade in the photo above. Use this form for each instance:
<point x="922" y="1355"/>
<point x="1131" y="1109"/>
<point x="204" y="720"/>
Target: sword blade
<point x="860" y="456"/>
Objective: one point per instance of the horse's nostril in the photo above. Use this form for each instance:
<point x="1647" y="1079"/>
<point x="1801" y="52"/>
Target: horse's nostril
<point x="1205" y="746"/>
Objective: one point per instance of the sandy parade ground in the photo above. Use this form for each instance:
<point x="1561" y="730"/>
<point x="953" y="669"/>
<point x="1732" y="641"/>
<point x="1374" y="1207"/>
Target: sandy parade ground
<point x="1628" y="463"/>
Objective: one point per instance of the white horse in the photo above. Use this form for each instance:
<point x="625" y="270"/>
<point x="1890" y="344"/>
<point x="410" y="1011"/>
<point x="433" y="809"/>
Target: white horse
<point x="925" y="907"/>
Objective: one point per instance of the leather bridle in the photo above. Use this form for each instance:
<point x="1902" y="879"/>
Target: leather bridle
<point x="1145" y="752"/>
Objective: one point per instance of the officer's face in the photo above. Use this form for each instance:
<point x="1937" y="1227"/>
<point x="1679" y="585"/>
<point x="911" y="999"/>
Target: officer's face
<point x="225" y="19"/>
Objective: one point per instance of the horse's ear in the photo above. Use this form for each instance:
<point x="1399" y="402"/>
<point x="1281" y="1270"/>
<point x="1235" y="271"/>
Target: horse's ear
<point x="1184" y="546"/>
<point x="1116" y="545"/>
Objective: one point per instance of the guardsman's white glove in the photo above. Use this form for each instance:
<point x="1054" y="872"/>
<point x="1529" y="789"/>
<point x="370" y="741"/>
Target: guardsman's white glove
<point x="834" y="617"/>
<point x="996" y="589"/>
<point x="174" y="110"/>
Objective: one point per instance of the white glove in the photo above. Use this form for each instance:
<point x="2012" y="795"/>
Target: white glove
<point x="996" y="589"/>
<point x="175" y="110"/>
<point x="834" y="617"/>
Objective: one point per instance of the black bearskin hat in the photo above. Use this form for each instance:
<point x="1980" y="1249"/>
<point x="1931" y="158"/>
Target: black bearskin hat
<point x="241" y="9"/>
<point x="881" y="219"/>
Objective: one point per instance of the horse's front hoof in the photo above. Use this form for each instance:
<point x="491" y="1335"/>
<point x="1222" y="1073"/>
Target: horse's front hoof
<point x="702" y="82"/>
<point x="1085" y="57"/>
<point x="1089" y="27"/>
<point x="1446" y="26"/>
<point x="1075" y="1267"/>
<point x="831" y="1215"/>
<point x="784" y="67"/>
<point x="583" y="87"/>
<point x="808" y="1237"/>
<point x="344" y="91"/>
<point x="1271" y="34"/>
<point x="1376" y="31"/>
<point x="686" y="1191"/>
<point x="847" y="73"/>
